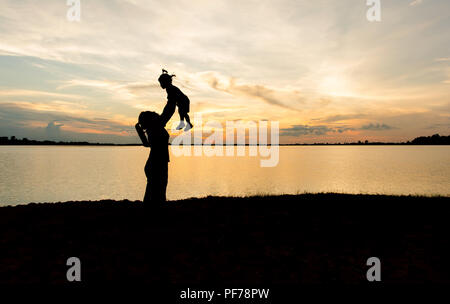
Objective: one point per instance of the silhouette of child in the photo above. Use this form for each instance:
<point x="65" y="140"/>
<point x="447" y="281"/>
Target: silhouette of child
<point x="156" y="167"/>
<point x="174" y="98"/>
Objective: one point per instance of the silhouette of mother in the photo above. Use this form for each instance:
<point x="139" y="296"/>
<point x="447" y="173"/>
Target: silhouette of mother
<point x="157" y="164"/>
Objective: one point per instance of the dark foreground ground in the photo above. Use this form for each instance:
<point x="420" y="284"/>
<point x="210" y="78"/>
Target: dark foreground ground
<point x="321" y="238"/>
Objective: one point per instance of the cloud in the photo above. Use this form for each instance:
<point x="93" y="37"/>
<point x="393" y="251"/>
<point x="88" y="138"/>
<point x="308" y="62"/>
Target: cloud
<point x="269" y="95"/>
<point x="6" y="53"/>
<point x="127" y="90"/>
<point x="298" y="130"/>
<point x="52" y="106"/>
<point x="344" y="129"/>
<point x="59" y="125"/>
<point x="141" y="86"/>
<point x="53" y="130"/>
<point x="343" y="117"/>
<point x="439" y="125"/>
<point x="376" y="127"/>
<point x="34" y="93"/>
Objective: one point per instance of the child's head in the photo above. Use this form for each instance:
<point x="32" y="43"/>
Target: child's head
<point x="149" y="120"/>
<point x="165" y="79"/>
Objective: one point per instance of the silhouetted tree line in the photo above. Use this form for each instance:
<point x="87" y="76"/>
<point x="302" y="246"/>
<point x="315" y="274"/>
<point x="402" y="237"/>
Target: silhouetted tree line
<point x="25" y="141"/>
<point x="435" y="139"/>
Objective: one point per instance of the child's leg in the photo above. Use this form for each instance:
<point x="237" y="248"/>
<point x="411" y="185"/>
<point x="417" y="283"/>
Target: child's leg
<point x="188" y="119"/>
<point x="181" y="125"/>
<point x="181" y="115"/>
<point x="167" y="113"/>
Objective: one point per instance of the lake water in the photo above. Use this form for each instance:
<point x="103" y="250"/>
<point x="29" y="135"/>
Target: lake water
<point x="63" y="173"/>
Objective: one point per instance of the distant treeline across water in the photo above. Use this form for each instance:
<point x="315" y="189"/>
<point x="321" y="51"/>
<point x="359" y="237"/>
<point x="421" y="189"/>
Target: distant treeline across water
<point x="25" y="141"/>
<point x="435" y="139"/>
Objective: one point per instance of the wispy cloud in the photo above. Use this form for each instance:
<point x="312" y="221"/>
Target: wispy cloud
<point x="33" y="93"/>
<point x="269" y="95"/>
<point x="127" y="90"/>
<point x="53" y="130"/>
<point x="51" y="106"/>
<point x="298" y="130"/>
<point x="25" y="116"/>
<point x="343" y="117"/>
<point x="376" y="127"/>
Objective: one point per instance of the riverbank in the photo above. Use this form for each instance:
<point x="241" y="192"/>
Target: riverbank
<point x="291" y="239"/>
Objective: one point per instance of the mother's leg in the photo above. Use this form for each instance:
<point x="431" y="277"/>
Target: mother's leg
<point x="155" y="193"/>
<point x="159" y="183"/>
<point x="148" y="190"/>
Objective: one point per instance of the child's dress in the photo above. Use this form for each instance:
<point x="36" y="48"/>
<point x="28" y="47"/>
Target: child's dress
<point x="175" y="98"/>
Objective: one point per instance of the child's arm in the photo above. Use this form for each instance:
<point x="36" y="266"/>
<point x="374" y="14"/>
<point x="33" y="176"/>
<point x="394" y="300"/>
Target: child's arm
<point x="142" y="136"/>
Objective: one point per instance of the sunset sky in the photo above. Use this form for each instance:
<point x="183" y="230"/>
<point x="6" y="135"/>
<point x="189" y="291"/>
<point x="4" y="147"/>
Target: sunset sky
<point x="319" y="67"/>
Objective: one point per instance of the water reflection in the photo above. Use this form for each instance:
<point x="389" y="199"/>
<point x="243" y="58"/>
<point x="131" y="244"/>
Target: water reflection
<point x="51" y="174"/>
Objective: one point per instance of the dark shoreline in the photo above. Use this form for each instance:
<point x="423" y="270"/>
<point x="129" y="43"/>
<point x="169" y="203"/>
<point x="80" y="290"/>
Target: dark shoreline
<point x="192" y="145"/>
<point x="289" y="239"/>
<point x="435" y="140"/>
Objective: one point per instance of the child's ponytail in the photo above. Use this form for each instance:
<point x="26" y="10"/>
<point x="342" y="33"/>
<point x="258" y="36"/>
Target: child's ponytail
<point x="165" y="76"/>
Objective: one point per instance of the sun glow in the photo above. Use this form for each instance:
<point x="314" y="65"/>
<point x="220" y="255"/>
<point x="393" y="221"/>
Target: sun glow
<point x="335" y="86"/>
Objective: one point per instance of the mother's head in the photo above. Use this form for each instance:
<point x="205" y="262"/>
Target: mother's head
<point x="149" y="120"/>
